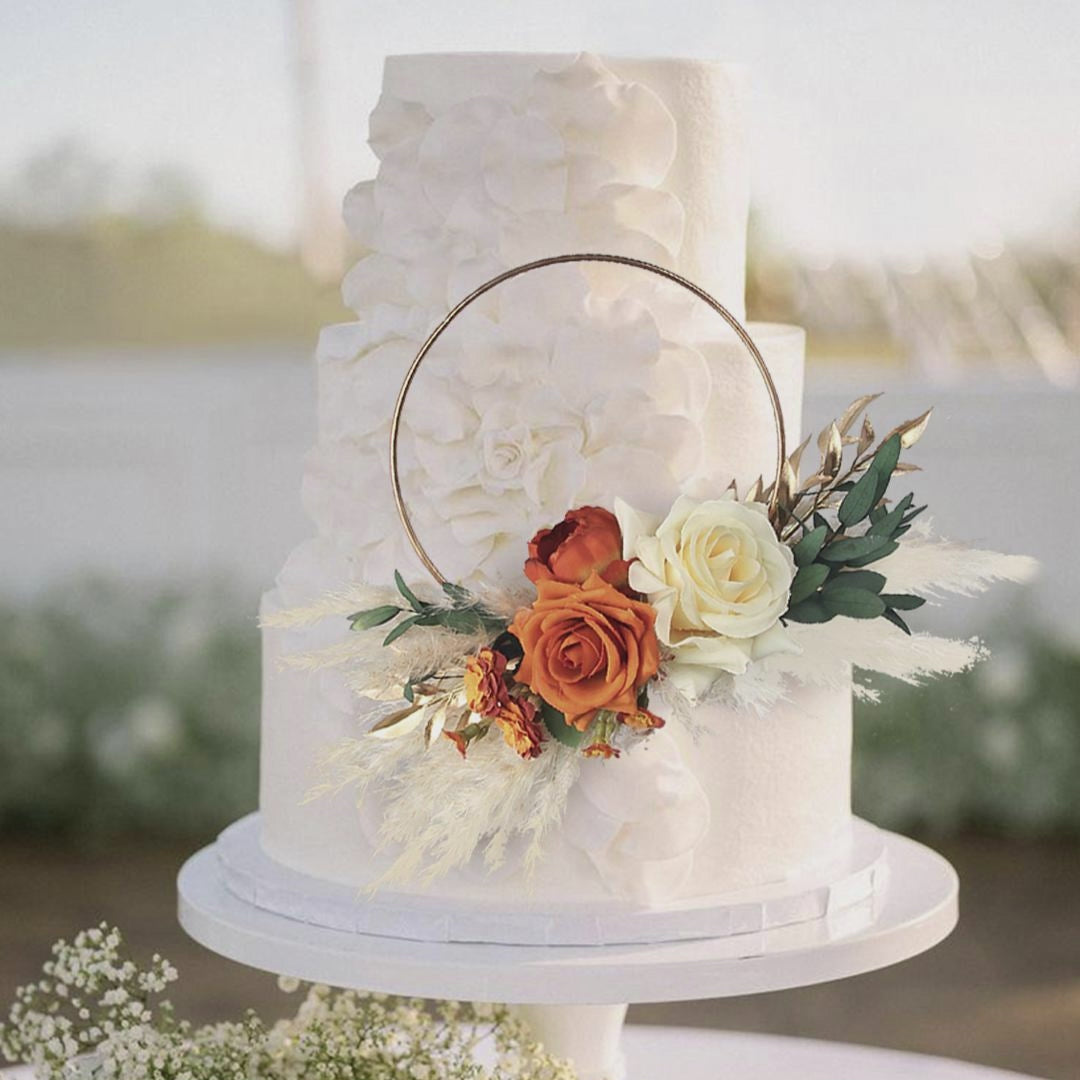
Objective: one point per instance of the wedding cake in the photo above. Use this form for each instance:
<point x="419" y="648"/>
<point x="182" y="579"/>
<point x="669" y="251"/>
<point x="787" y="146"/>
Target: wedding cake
<point x="587" y="386"/>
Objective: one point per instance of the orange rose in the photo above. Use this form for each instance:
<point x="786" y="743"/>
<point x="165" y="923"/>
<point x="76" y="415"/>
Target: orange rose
<point x="586" y="541"/>
<point x="485" y="691"/>
<point x="586" y="648"/>
<point x="517" y="721"/>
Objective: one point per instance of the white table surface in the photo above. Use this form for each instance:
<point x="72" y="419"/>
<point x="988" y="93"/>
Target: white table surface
<point x="654" y="1052"/>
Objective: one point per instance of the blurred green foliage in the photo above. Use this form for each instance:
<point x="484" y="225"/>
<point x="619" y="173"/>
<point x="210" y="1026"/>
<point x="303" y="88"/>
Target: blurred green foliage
<point x="128" y="709"/>
<point x="119" y="280"/>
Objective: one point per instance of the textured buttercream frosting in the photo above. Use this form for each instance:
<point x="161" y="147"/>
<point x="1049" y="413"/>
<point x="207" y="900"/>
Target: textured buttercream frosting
<point x="565" y="387"/>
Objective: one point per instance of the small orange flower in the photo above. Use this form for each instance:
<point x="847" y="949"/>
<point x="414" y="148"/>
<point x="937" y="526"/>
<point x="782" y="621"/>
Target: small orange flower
<point x="641" y="720"/>
<point x="517" y="721"/>
<point x="601" y="750"/>
<point x="587" y="648"/>
<point x="587" y="541"/>
<point x="485" y="690"/>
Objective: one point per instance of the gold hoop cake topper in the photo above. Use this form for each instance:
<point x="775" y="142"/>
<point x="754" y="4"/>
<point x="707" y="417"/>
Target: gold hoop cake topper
<point x="555" y="260"/>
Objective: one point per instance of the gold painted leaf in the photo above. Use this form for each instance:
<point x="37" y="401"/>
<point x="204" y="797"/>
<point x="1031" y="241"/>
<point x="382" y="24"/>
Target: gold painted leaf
<point x="795" y="458"/>
<point x="866" y="436"/>
<point x="905" y="467"/>
<point x="910" y="431"/>
<point x="853" y="411"/>
<point x="399" y="723"/>
<point x="436" y="720"/>
<point x="755" y="492"/>
<point x="833" y="451"/>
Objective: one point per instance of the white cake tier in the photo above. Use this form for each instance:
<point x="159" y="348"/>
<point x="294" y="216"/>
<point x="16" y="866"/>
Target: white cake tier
<point x="744" y="799"/>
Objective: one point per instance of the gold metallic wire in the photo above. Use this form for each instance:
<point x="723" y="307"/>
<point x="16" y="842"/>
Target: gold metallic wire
<point x="555" y="260"/>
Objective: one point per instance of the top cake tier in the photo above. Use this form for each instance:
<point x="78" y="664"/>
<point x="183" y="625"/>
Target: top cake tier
<point x="571" y="384"/>
<point x="656" y="144"/>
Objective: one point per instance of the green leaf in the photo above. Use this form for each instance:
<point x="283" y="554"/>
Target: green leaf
<point x="896" y="620"/>
<point x="405" y="625"/>
<point x="850" y="548"/>
<point x="409" y="693"/>
<point x="914" y="514"/>
<point x="366" y="620"/>
<point x="865" y="560"/>
<point x="903" y="601"/>
<point x="860" y="500"/>
<point x="405" y="591"/>
<point x="560" y="730"/>
<point x="806" y="581"/>
<point x="854" y="603"/>
<point x="856" y="579"/>
<point x="460" y="620"/>
<point x="890" y="521"/>
<point x="820" y="521"/>
<point x="806" y="550"/>
<point x="885" y="459"/>
<point x="808" y="611"/>
<point x="877" y="514"/>
<point x="458" y="593"/>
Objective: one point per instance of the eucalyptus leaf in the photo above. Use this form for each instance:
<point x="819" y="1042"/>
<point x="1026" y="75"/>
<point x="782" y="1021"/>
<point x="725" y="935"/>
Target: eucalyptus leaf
<point x="458" y="593"/>
<point x="808" y="611"/>
<point x="892" y="519"/>
<point x="860" y="500"/>
<point x="903" y="601"/>
<point x="852" y="602"/>
<point x="885" y="458"/>
<point x="896" y="620"/>
<point x="874" y="556"/>
<point x="425" y="619"/>
<point x="806" y="550"/>
<point x="405" y="591"/>
<point x="367" y="620"/>
<point x="849" y="548"/>
<point x="856" y="579"/>
<point x="807" y="581"/>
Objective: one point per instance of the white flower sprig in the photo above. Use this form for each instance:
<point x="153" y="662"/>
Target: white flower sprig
<point x="94" y="1013"/>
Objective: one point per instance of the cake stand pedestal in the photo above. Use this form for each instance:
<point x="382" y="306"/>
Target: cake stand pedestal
<point x="575" y="997"/>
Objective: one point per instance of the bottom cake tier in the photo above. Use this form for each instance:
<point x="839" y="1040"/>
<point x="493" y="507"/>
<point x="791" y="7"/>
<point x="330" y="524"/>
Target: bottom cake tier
<point x="722" y="801"/>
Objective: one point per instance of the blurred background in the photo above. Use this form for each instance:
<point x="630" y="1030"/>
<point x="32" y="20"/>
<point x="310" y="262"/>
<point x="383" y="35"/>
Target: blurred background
<point x="170" y="178"/>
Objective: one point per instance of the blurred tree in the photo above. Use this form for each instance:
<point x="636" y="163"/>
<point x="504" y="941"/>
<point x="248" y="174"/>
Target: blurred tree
<point x="62" y="185"/>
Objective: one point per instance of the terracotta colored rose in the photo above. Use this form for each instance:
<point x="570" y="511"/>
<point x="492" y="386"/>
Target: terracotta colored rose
<point x="585" y="542"/>
<point x="586" y="648"/>
<point x="517" y="721"/>
<point x="485" y="691"/>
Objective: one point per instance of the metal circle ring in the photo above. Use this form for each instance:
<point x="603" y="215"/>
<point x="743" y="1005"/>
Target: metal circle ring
<point x="525" y="268"/>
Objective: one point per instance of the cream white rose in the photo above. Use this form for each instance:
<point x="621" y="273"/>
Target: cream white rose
<point x="719" y="580"/>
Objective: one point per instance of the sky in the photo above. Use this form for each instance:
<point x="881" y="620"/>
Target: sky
<point x="880" y="129"/>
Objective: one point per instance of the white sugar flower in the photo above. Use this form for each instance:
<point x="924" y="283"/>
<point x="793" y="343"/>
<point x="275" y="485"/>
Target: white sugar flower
<point x="719" y="579"/>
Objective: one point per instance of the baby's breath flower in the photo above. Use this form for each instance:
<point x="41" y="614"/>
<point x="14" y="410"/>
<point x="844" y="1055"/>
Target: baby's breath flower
<point x="133" y="1036"/>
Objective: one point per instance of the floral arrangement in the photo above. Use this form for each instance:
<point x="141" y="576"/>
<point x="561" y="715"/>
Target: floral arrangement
<point x="727" y="600"/>
<point x="96" y="1013"/>
<point x="625" y="600"/>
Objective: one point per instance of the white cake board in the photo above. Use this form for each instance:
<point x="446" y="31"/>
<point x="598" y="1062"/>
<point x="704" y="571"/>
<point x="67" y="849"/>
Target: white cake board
<point x="575" y="996"/>
<point x="918" y="909"/>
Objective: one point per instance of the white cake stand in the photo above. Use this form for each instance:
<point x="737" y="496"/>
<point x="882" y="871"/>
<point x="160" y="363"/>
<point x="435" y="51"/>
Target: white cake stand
<point x="576" y="997"/>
